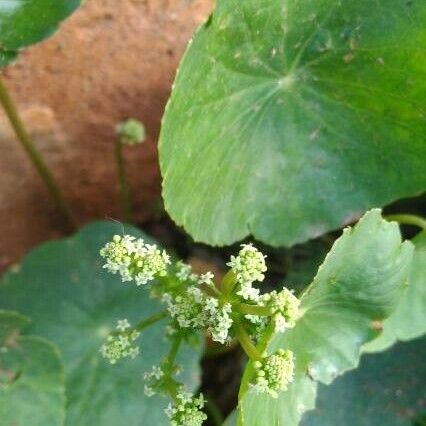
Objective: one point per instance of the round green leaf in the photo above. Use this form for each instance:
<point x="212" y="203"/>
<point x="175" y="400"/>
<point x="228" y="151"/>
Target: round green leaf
<point x="288" y="119"/>
<point x="25" y="22"/>
<point x="32" y="382"/>
<point x="356" y="287"/>
<point x="409" y="319"/>
<point x="75" y="303"/>
<point x="386" y="389"/>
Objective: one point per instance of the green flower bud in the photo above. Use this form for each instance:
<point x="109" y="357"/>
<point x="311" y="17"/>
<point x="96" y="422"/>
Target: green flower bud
<point x="131" y="132"/>
<point x="274" y="373"/>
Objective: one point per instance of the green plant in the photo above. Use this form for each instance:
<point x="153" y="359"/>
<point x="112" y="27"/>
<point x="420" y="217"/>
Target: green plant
<point x="287" y="120"/>
<point x="291" y="344"/>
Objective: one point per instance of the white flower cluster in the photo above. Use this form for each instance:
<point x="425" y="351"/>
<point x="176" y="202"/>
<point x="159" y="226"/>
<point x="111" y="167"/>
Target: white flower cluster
<point x="184" y="272"/>
<point x="193" y="309"/>
<point x="187" y="307"/>
<point x="249" y="266"/>
<point x="274" y="373"/>
<point x="120" y="345"/>
<point x="218" y="319"/>
<point x="187" y="410"/>
<point x="134" y="260"/>
<point x="285" y="308"/>
<point x="152" y="379"/>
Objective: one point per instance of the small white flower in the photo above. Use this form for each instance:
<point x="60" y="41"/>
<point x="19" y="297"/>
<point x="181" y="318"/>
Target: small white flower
<point x="187" y="410"/>
<point x="123" y="325"/>
<point x="218" y="320"/>
<point x="152" y="380"/>
<point x="206" y="278"/>
<point x="187" y="307"/>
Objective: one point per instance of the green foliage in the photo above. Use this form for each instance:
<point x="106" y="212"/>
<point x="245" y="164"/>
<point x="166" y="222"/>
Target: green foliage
<point x="75" y="303"/>
<point x="288" y="119"/>
<point x="356" y="287"/>
<point x="25" y="22"/>
<point x="32" y="382"/>
<point x="386" y="389"/>
<point x="409" y="319"/>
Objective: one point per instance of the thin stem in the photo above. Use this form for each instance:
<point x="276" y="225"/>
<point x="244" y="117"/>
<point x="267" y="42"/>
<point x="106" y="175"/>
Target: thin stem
<point x="141" y="325"/>
<point x="245" y="342"/>
<point x="171" y="357"/>
<point x="126" y="204"/>
<point x="245" y="308"/>
<point x="35" y="157"/>
<point x="214" y="413"/>
<point x="261" y="348"/>
<point x="407" y="219"/>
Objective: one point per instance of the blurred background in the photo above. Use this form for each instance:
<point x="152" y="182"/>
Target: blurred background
<point x="103" y="66"/>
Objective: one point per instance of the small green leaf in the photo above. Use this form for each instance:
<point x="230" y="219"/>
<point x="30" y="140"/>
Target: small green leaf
<point x="32" y="382"/>
<point x="356" y="287"/>
<point x="291" y="118"/>
<point x="75" y="303"/>
<point x="409" y="319"/>
<point x="386" y="389"/>
<point x="25" y="22"/>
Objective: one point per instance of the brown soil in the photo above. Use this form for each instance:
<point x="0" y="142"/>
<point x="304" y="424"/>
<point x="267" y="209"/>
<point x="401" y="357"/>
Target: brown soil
<point x="104" y="65"/>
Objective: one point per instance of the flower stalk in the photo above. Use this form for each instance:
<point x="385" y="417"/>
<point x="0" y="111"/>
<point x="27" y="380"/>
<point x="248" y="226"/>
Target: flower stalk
<point x="35" y="156"/>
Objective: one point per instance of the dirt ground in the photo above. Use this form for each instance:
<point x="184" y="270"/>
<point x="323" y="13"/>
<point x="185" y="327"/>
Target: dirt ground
<point x="104" y="65"/>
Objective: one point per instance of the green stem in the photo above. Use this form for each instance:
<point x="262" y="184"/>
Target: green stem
<point x="171" y="357"/>
<point x="407" y="219"/>
<point x="141" y="325"/>
<point x="35" y="157"/>
<point x="245" y="308"/>
<point x="126" y="204"/>
<point x="245" y="342"/>
<point x="213" y="410"/>
<point x="261" y="348"/>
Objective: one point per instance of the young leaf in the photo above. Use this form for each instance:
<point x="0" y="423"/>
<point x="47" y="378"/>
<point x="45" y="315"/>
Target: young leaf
<point x="409" y="319"/>
<point x="386" y="389"/>
<point x="25" y="22"/>
<point x="288" y="119"/>
<point x="356" y="287"/>
<point x="76" y="303"/>
<point x="32" y="383"/>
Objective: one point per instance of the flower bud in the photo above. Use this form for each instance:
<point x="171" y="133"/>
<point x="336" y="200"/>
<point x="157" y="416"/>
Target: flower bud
<point x="131" y="132"/>
<point x="274" y="372"/>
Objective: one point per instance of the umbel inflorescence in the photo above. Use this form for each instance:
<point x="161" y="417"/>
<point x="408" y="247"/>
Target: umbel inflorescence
<point x="233" y="310"/>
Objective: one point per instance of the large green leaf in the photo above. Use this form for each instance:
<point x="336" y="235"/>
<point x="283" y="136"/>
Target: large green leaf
<point x="357" y="286"/>
<point x="409" y="319"/>
<point x="290" y="118"/>
<point x="386" y="389"/>
<point x="25" y="22"/>
<point x="75" y="303"/>
<point x="32" y="382"/>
